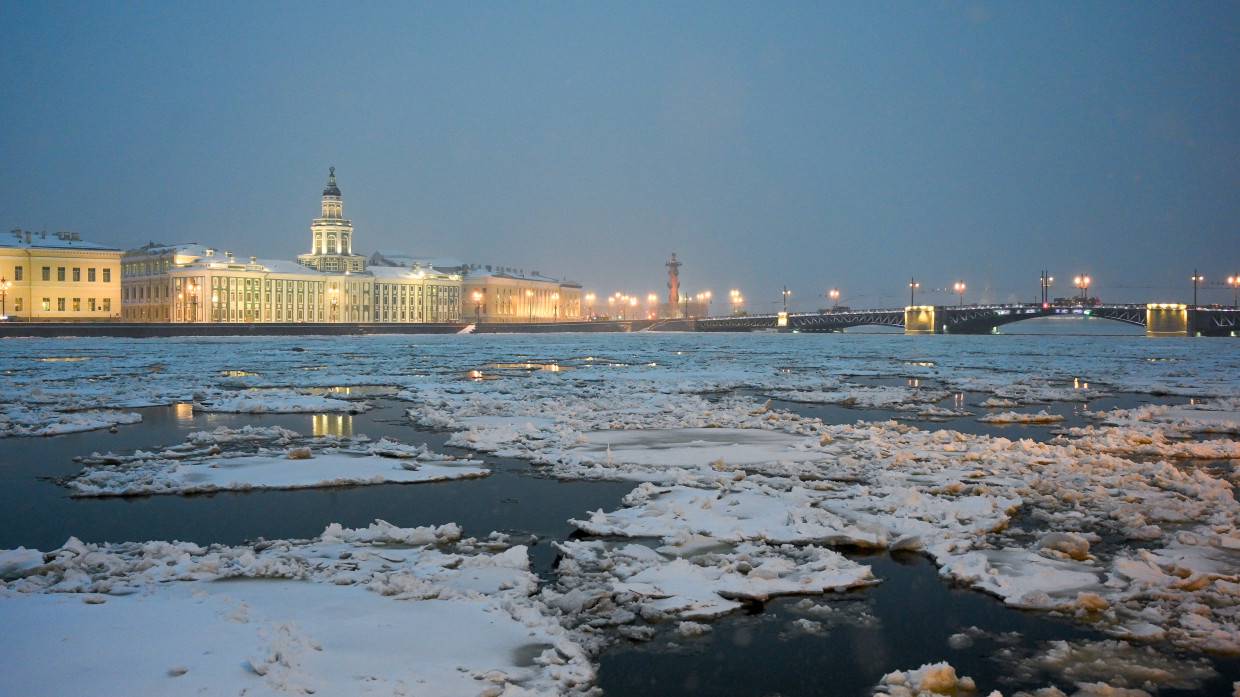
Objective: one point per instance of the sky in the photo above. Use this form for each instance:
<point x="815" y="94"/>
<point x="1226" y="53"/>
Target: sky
<point x="817" y="145"/>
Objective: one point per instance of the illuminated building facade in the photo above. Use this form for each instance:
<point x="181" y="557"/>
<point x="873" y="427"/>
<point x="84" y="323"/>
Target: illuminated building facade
<point x="58" y="278"/>
<point x="493" y="294"/>
<point x="194" y="283"/>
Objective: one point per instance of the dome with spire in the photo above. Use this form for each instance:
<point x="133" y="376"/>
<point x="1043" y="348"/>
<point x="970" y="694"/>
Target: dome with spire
<point x="331" y="189"/>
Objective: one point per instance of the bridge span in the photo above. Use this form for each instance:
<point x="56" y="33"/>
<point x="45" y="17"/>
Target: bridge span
<point x="1159" y="319"/>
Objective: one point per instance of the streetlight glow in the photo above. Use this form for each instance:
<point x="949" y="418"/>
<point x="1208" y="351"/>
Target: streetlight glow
<point x="960" y="289"/>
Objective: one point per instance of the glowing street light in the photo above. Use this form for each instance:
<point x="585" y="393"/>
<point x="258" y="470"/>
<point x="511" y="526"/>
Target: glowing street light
<point x="1082" y="282"/>
<point x="913" y="285"/>
<point x="1197" y="278"/>
<point x="787" y="293"/>
<point x="734" y="296"/>
<point x="834" y="295"/>
<point x="1234" y="282"/>
<point x="960" y="288"/>
<point x="5" y="284"/>
<point x="555" y="297"/>
<point x="590" y="304"/>
<point x="1045" y="280"/>
<point x="477" y="307"/>
<point x="529" y="300"/>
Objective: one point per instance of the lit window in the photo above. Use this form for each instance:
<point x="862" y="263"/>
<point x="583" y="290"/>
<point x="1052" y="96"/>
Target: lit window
<point x="60" y="304"/>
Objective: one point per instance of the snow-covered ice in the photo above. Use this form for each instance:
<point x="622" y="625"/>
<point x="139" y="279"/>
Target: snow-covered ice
<point x="265" y="458"/>
<point x="380" y="610"/>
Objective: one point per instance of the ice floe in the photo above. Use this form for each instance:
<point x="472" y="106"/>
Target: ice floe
<point x="381" y="610"/>
<point x="275" y="458"/>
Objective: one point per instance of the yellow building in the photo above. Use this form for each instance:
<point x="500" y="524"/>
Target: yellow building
<point x="193" y="283"/>
<point x="507" y="295"/>
<point x="58" y="278"/>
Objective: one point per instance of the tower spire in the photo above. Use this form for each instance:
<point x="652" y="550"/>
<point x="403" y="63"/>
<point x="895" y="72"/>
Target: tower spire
<point x="331" y="189"/>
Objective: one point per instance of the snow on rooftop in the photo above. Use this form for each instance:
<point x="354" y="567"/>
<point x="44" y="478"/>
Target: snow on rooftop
<point x="58" y="240"/>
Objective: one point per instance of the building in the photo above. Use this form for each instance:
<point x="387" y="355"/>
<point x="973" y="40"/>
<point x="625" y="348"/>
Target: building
<point x="193" y="283"/>
<point x="58" y="278"/>
<point x="331" y="247"/>
<point x="500" y="294"/>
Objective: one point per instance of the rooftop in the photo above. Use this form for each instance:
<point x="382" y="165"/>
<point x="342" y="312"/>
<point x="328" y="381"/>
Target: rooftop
<point x="26" y="239"/>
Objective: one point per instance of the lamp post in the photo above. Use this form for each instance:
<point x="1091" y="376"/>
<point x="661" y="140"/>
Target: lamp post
<point x="1082" y="282"/>
<point x="4" y="297"/>
<point x="590" y="304"/>
<point x="708" y="297"/>
<point x="529" y="300"/>
<point x="652" y="300"/>
<point x="555" y="298"/>
<point x="913" y="285"/>
<point x="734" y="296"/>
<point x="1197" y="278"/>
<point x="477" y="307"/>
<point x="786" y="293"/>
<point x="834" y="295"/>
<point x="960" y="288"/>
<point x="1045" y="281"/>
<point x="1234" y="282"/>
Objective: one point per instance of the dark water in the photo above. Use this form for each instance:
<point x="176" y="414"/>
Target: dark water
<point x="914" y="612"/>
<point x="909" y="616"/>
<point x="36" y="512"/>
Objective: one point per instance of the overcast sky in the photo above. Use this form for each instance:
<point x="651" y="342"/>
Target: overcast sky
<point x="812" y="145"/>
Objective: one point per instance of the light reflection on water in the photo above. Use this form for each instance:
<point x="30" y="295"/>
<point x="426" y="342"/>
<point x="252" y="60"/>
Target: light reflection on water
<point x="183" y="411"/>
<point x="331" y="425"/>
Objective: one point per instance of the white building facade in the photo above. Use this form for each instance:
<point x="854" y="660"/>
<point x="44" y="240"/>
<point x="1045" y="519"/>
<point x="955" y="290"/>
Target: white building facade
<point x="194" y="283"/>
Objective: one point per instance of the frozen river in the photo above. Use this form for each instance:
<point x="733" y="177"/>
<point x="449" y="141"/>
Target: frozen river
<point x="679" y="514"/>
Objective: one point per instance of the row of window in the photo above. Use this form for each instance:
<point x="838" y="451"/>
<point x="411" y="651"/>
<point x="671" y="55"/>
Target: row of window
<point x="19" y="274"/>
<point x="92" y="305"/>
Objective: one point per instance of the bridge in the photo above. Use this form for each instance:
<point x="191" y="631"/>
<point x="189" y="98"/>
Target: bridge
<point x="1159" y="319"/>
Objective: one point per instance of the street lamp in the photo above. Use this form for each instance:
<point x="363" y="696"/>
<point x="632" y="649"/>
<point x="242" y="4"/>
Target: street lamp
<point x="529" y="300"/>
<point x="555" y="297"/>
<point x="1045" y="281"/>
<point x="734" y="296"/>
<point x="786" y="294"/>
<point x="708" y="297"/>
<point x="1082" y="282"/>
<point x="834" y="295"/>
<point x="1234" y="282"/>
<point x="477" y="307"/>
<point x="960" y="288"/>
<point x="590" y="304"/>
<point x="4" y="297"/>
<point x="913" y="285"/>
<point x="1197" y="278"/>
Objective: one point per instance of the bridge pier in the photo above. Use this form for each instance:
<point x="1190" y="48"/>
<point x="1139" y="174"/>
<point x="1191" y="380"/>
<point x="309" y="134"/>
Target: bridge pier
<point x="919" y="319"/>
<point x="1166" y="319"/>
